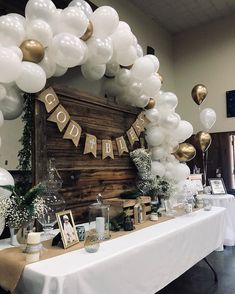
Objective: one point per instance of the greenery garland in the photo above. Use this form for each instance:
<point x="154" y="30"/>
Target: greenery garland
<point x="24" y="155"/>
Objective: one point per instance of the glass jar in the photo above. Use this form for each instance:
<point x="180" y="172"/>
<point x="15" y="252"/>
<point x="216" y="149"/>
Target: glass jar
<point x="53" y="200"/>
<point x="99" y="219"/>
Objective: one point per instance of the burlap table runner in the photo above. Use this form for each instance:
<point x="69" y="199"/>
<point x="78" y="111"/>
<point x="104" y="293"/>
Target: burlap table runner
<point x="12" y="260"/>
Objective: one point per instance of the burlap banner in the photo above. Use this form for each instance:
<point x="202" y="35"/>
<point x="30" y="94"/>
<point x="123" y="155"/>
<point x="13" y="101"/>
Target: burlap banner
<point x="107" y="149"/>
<point x="60" y="116"/>
<point x="132" y="137"/>
<point x="49" y="98"/>
<point x="73" y="131"/>
<point x="90" y="144"/>
<point x="121" y="145"/>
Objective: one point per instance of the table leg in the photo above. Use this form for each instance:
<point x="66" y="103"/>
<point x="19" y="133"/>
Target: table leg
<point x="210" y="266"/>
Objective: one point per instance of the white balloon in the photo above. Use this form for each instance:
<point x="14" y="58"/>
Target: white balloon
<point x="68" y="50"/>
<point x="169" y="121"/>
<point x="158" y="153"/>
<point x="12" y="104"/>
<point x="60" y="70"/>
<point x="127" y="57"/>
<point x="1" y="118"/>
<point x="39" y="30"/>
<point x="122" y="25"/>
<point x="100" y="50"/>
<point x="152" y="115"/>
<point x="157" y="169"/>
<point x="5" y="179"/>
<point x="142" y="68"/>
<point x="93" y="72"/>
<point x="112" y="69"/>
<point x="139" y="50"/>
<point x="154" y="136"/>
<point x="167" y="99"/>
<point x="83" y="5"/>
<point x="122" y="39"/>
<point x="41" y="9"/>
<point x="20" y="18"/>
<point x="12" y="31"/>
<point x="123" y="77"/>
<point x="73" y="21"/>
<point x="105" y="21"/>
<point x="141" y="101"/>
<point x="48" y="63"/>
<point x="3" y="92"/>
<point x="151" y="85"/>
<point x="180" y="172"/>
<point x="17" y="51"/>
<point x="10" y="65"/>
<point x="135" y="89"/>
<point x="32" y="78"/>
<point x="154" y="60"/>
<point x="208" y="118"/>
<point x="183" y="131"/>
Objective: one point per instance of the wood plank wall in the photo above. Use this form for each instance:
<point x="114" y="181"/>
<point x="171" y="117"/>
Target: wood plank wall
<point x="83" y="175"/>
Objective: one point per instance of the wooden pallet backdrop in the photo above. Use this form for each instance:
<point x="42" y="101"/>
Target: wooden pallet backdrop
<point x="83" y="175"/>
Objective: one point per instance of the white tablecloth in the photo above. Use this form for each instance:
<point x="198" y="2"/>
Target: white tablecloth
<point x="227" y="201"/>
<point x="142" y="262"/>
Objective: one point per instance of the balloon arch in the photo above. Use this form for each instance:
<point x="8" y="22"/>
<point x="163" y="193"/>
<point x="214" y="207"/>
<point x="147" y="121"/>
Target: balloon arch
<point x="48" y="41"/>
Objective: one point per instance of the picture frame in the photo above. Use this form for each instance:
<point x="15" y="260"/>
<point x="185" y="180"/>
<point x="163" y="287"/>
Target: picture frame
<point x="67" y="228"/>
<point x="217" y="186"/>
<point x="197" y="181"/>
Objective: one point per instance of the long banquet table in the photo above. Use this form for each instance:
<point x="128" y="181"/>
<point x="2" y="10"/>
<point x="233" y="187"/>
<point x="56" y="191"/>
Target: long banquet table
<point x="227" y="201"/>
<point x="141" y="262"/>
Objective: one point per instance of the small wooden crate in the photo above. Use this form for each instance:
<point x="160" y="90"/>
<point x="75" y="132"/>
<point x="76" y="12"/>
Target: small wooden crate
<point x="118" y="205"/>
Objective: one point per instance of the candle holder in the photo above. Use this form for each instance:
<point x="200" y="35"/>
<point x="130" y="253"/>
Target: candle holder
<point x="99" y="218"/>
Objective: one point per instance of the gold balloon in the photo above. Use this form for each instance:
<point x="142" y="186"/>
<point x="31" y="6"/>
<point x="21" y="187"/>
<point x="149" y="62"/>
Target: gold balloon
<point x="88" y="33"/>
<point x="185" y="152"/>
<point x="203" y="140"/>
<point x="32" y="50"/>
<point x="199" y="93"/>
<point x="150" y="104"/>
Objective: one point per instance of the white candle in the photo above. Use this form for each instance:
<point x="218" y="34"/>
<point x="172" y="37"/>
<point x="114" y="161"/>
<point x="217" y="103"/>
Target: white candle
<point x="33" y="238"/>
<point x="100" y="221"/>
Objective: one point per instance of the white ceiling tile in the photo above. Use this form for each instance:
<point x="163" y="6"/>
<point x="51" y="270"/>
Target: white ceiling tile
<point x="180" y="15"/>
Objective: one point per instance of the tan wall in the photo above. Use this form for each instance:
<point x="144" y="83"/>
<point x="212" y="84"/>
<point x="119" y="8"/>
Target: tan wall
<point x="10" y="133"/>
<point x="206" y="55"/>
<point x="147" y="33"/>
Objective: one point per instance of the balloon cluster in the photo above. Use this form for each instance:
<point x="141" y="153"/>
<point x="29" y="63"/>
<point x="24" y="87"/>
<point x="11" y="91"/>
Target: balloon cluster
<point x="48" y="41"/>
<point x="165" y="134"/>
<point x="207" y="117"/>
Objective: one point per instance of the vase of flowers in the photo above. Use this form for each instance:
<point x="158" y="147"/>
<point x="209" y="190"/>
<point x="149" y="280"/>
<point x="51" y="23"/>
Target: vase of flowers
<point x="19" y="211"/>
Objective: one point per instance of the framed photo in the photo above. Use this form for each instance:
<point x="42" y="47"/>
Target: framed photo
<point x="217" y="186"/>
<point x="67" y="228"/>
<point x="197" y="181"/>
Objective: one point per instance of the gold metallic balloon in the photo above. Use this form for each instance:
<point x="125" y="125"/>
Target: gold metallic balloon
<point x="88" y="33"/>
<point x="203" y="140"/>
<point x="150" y="104"/>
<point x="199" y="93"/>
<point x="185" y="152"/>
<point x="32" y="50"/>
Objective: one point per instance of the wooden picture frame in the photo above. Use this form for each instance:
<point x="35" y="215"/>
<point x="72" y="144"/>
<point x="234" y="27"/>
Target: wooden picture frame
<point x="67" y="228"/>
<point x="217" y="186"/>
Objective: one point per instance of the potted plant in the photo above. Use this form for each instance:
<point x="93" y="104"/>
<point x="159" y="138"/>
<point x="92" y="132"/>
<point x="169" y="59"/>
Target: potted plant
<point x="20" y="210"/>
